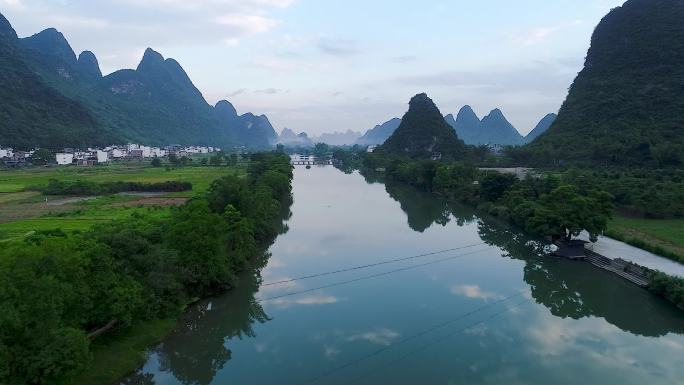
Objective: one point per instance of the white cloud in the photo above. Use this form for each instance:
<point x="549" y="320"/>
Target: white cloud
<point x="383" y="337"/>
<point x="123" y="25"/>
<point x="476" y="292"/>
<point x="331" y="352"/>
<point x="540" y="35"/>
<point x="316" y="300"/>
<point x="246" y="24"/>
<point x="12" y="3"/>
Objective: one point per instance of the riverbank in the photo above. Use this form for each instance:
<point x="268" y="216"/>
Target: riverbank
<point x="122" y="351"/>
<point x="133" y="273"/>
<point x="660" y="236"/>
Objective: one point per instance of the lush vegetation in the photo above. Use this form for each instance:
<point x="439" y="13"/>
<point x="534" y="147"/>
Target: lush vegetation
<point x="671" y="288"/>
<point x="59" y="290"/>
<point x="546" y="205"/>
<point x="24" y="209"/>
<point x="646" y="193"/>
<point x="82" y="188"/>
<point x="625" y="107"/>
<point x="28" y="179"/>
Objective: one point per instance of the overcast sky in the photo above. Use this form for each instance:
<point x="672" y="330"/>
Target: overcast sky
<point x="331" y="65"/>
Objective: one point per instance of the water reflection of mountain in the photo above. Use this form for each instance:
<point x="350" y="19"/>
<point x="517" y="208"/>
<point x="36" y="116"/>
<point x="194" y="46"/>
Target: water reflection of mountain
<point x="423" y="209"/>
<point x="568" y="289"/>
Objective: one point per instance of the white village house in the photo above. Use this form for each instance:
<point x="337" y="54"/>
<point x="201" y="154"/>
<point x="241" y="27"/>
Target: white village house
<point x="6" y="152"/>
<point x="112" y="153"/>
<point x="64" y="159"/>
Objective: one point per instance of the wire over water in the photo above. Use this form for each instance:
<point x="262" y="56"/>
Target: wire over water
<point x="367" y="277"/>
<point x="370" y="265"/>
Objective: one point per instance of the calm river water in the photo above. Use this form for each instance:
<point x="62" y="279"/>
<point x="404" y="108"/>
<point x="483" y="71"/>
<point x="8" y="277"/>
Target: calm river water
<point x="491" y="310"/>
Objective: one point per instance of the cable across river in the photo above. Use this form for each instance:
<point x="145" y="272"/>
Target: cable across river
<point x="370" y="265"/>
<point x="368" y="277"/>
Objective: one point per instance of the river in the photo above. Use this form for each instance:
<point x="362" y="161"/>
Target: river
<point x="485" y="307"/>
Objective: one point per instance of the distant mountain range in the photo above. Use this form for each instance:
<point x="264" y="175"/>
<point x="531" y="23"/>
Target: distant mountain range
<point x="379" y="134"/>
<point x="338" y="138"/>
<point x="626" y="107"/>
<point x="541" y="128"/>
<point x="424" y="132"/>
<point x="291" y="139"/>
<point x="52" y="98"/>
<point x="492" y="129"/>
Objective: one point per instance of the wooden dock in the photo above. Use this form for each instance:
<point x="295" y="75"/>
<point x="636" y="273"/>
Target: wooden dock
<point x="577" y="251"/>
<point x="624" y="269"/>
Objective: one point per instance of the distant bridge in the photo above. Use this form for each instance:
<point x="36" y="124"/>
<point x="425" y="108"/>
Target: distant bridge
<point x="309" y="162"/>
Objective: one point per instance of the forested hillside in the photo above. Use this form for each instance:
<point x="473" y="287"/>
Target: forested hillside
<point x="33" y="112"/>
<point x="625" y="107"/>
<point x="422" y="132"/>
<point x="155" y="104"/>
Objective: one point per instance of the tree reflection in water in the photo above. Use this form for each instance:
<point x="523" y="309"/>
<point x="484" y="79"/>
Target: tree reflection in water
<point x="568" y="289"/>
<point x="199" y="346"/>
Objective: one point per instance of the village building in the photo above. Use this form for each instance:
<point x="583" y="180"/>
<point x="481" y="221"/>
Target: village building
<point x="86" y="162"/>
<point x="5" y="152"/>
<point x="64" y="159"/>
<point x="117" y="153"/>
<point x="102" y="156"/>
<point x="17" y="159"/>
<point x="136" y="154"/>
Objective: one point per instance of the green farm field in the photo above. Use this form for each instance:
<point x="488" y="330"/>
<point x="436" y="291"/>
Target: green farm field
<point x="13" y="181"/>
<point x="23" y="212"/>
<point x="662" y="236"/>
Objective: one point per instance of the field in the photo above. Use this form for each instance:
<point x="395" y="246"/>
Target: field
<point x="14" y="181"/>
<point x="662" y="236"/>
<point x="23" y="212"/>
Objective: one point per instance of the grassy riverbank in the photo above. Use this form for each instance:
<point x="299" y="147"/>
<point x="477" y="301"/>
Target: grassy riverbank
<point x="660" y="236"/>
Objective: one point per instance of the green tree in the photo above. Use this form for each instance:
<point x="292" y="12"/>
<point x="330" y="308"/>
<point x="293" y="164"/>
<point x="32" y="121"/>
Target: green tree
<point x="321" y="149"/>
<point x="173" y="159"/>
<point x="494" y="185"/>
<point x="156" y="162"/>
<point x="565" y="213"/>
<point x="42" y="157"/>
<point x="217" y="159"/>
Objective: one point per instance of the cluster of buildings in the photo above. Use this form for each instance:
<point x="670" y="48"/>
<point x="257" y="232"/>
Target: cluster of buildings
<point x="11" y="158"/>
<point x="93" y="156"/>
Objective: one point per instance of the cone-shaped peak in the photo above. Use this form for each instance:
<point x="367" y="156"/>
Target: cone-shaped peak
<point x="150" y="59"/>
<point x="423" y="132"/>
<point x="466" y="114"/>
<point x="226" y="109"/>
<point x="88" y="65"/>
<point x="51" y="42"/>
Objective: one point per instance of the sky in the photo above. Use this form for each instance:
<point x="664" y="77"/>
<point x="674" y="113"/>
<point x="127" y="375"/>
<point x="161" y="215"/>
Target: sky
<point x="333" y="65"/>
